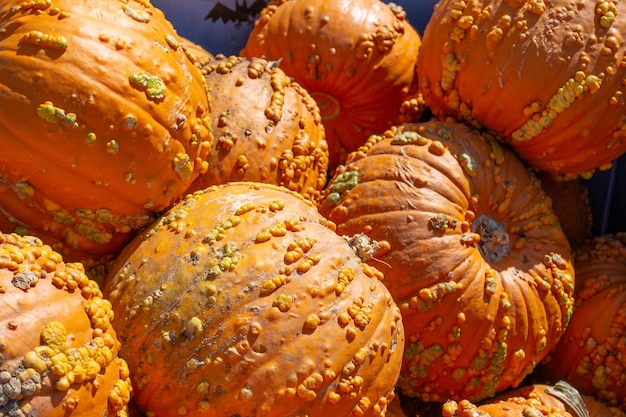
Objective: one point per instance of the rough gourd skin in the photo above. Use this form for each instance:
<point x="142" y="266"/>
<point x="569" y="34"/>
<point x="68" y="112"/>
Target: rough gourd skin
<point x="591" y="354"/>
<point x="356" y="59"/>
<point x="266" y="128"/>
<point x="104" y="120"/>
<point x="58" y="350"/>
<point x="242" y="300"/>
<point x="548" y="77"/>
<point x="470" y="250"/>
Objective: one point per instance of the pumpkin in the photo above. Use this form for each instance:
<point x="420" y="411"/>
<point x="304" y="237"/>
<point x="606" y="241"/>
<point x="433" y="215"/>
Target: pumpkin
<point x="470" y="250"/>
<point x="571" y="205"/>
<point x="356" y="58"/>
<point x="591" y="353"/>
<point x="242" y="300"/>
<point x="546" y="77"/>
<point x="530" y="400"/>
<point x="58" y="350"/>
<point x="266" y="128"/>
<point x="95" y="138"/>
<point x="560" y="394"/>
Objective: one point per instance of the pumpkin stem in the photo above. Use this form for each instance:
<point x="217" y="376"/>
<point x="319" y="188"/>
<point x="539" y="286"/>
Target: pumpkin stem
<point x="494" y="242"/>
<point x="570" y="397"/>
<point x="364" y="246"/>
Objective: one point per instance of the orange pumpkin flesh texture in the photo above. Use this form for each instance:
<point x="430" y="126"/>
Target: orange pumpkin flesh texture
<point x="58" y="350"/>
<point x="355" y="57"/>
<point x="470" y="249"/>
<point x="104" y="120"/>
<point x="592" y="354"/>
<point x="266" y="128"/>
<point x="546" y="77"/>
<point x="242" y="300"/>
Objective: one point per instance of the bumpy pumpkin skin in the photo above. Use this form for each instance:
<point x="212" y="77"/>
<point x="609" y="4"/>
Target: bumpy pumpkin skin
<point x="266" y="128"/>
<point x="356" y="59"/>
<point x="547" y="77"/>
<point x="242" y="300"/>
<point x="470" y="250"/>
<point x="58" y="350"/>
<point x="95" y="137"/>
<point x="550" y="397"/>
<point x="591" y="353"/>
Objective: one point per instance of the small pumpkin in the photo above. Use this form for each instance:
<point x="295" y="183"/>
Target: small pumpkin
<point x="58" y="350"/>
<point x="560" y="394"/>
<point x="530" y="400"/>
<point x="94" y="137"/>
<point x="591" y="354"/>
<point x="266" y="128"/>
<point x="555" y="95"/>
<point x="242" y="300"/>
<point x="355" y="57"/>
<point x="470" y="249"/>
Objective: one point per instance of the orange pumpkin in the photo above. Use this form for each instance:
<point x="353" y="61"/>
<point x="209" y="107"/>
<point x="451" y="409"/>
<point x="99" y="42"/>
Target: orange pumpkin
<point x="470" y="250"/>
<point x="104" y="121"/>
<point x="531" y="400"/>
<point x="561" y="395"/>
<point x="58" y="350"/>
<point x="546" y="77"/>
<point x="592" y="353"/>
<point x="355" y="57"/>
<point x="266" y="128"/>
<point x="242" y="300"/>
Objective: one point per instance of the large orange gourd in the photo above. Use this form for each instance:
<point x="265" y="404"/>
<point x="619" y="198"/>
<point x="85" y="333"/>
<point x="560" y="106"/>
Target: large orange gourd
<point x="104" y="120"/>
<point x="548" y="77"/>
<point x="58" y="350"/>
<point x="592" y="353"/>
<point x="266" y="128"/>
<point x="470" y="250"/>
<point x="355" y="57"/>
<point x="242" y="300"/>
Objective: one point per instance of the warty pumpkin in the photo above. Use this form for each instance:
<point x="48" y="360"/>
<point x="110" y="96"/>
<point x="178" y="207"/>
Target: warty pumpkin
<point x="355" y="57"/>
<point x="470" y="250"/>
<point x="559" y="394"/>
<point x="591" y="354"/>
<point x="547" y="77"/>
<point x="560" y="400"/>
<point x="58" y="350"/>
<point x="266" y="128"/>
<point x="242" y="300"/>
<point x="104" y="120"/>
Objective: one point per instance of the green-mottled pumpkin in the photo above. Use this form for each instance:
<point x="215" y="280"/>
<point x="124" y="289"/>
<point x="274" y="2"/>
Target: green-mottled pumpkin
<point x="266" y="128"/>
<point x="104" y="120"/>
<point x="242" y="300"/>
<point x="470" y="249"/>
<point x="58" y="350"/>
<point x="545" y="76"/>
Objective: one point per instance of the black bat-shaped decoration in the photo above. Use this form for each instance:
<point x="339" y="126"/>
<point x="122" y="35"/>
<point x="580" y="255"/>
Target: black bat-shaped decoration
<point x="242" y="12"/>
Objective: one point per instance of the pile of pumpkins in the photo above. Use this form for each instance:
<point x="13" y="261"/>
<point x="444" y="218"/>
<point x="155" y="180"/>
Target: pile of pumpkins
<point x="346" y="218"/>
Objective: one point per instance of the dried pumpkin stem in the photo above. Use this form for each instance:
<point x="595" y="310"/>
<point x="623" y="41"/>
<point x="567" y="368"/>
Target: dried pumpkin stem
<point x="494" y="240"/>
<point x="570" y="397"/>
